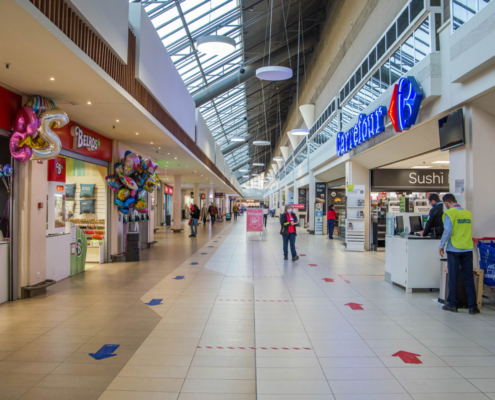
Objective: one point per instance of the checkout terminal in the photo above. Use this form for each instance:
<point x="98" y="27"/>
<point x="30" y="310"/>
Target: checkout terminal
<point x="411" y="260"/>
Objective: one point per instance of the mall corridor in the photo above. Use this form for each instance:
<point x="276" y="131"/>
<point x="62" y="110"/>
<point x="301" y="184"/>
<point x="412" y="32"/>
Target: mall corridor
<point x="220" y="318"/>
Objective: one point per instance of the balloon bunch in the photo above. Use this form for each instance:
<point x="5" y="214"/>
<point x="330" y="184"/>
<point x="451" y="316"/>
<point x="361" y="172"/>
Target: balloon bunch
<point x="33" y="138"/>
<point x="134" y="177"/>
<point x="6" y="172"/>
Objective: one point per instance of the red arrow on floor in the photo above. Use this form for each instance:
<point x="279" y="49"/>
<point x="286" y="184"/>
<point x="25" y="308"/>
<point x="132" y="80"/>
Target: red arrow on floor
<point x="355" y="306"/>
<point x="328" y="280"/>
<point x="408" y="358"/>
<point x="312" y="265"/>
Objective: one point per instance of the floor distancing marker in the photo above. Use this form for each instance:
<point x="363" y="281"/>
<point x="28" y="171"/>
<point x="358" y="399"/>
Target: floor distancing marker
<point x="343" y="278"/>
<point x="242" y="276"/>
<point x="278" y="301"/>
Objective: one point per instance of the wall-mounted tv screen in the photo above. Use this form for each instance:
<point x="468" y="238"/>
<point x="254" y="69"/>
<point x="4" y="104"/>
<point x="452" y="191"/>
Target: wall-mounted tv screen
<point x="451" y="130"/>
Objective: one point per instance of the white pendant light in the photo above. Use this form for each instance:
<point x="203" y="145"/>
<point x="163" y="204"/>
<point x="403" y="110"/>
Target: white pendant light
<point x="278" y="159"/>
<point x="238" y="139"/>
<point x="274" y="73"/>
<point x="300" y="132"/>
<point x="261" y="143"/>
<point x="215" y="45"/>
<point x="257" y="164"/>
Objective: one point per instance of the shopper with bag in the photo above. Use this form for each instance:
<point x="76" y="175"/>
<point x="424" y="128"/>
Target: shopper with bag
<point x="213" y="213"/>
<point x="288" y="222"/>
<point x="193" y="222"/>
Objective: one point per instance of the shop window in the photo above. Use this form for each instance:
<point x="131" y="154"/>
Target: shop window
<point x="380" y="48"/>
<point x="391" y="36"/>
<point x="395" y="67"/>
<point x="372" y="58"/>
<point x="364" y="67"/>
<point x="352" y="84"/>
<point x="415" y="7"/>
<point x="422" y="41"/>
<point x="403" y="22"/>
<point x="407" y="54"/>
<point x="385" y="76"/>
<point x="357" y="77"/>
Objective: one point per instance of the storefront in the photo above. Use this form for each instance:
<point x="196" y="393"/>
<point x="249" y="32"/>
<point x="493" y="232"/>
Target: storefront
<point x="167" y="204"/>
<point x="336" y="197"/>
<point x="77" y="197"/>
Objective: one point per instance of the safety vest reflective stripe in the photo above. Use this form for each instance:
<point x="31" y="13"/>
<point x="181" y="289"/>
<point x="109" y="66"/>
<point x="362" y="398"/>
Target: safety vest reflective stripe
<point x="462" y="228"/>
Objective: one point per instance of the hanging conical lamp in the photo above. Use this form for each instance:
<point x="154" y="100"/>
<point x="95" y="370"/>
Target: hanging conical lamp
<point x="273" y="72"/>
<point x="298" y="131"/>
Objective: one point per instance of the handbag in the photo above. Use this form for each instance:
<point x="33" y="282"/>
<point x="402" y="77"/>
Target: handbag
<point x="190" y="222"/>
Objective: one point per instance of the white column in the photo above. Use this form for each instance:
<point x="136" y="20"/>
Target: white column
<point x="177" y="204"/>
<point x="356" y="174"/>
<point x="196" y="194"/>
<point x="472" y="163"/>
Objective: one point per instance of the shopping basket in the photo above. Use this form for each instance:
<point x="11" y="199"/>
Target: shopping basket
<point x="486" y="248"/>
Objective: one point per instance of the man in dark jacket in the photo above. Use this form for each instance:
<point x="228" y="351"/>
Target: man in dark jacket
<point x="288" y="222"/>
<point x="435" y="217"/>
<point x="213" y="213"/>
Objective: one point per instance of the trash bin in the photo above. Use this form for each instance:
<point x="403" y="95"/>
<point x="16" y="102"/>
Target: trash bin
<point x="133" y="246"/>
<point x="168" y="220"/>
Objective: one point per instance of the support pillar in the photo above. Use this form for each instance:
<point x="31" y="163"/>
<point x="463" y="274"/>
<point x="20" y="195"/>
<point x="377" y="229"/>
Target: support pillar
<point x="196" y="194"/>
<point x="356" y="174"/>
<point x="177" y="204"/>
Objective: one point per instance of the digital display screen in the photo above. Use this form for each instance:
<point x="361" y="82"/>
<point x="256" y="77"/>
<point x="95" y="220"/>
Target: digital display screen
<point x="451" y="130"/>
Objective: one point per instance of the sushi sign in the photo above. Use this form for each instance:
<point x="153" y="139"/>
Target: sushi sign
<point x="403" y="112"/>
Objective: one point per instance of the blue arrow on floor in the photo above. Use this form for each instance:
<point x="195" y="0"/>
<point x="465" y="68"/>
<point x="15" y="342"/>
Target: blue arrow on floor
<point x="106" y="351"/>
<point x="194" y="263"/>
<point x="203" y="254"/>
<point x="154" y="302"/>
<point x="179" y="277"/>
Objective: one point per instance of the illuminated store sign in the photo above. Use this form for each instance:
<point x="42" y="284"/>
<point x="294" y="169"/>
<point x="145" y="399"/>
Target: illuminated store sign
<point x="367" y="127"/>
<point x="404" y="107"/>
<point x="403" y="112"/>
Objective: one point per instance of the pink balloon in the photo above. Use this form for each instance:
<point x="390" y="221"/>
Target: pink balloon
<point x="26" y="124"/>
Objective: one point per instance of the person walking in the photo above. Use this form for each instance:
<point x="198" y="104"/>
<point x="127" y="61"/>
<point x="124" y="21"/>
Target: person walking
<point x="435" y="217"/>
<point x="195" y="212"/>
<point x="236" y="211"/>
<point x="265" y="214"/>
<point x="288" y="222"/>
<point x="212" y="211"/>
<point x="331" y="216"/>
<point x="204" y="214"/>
<point x="457" y="240"/>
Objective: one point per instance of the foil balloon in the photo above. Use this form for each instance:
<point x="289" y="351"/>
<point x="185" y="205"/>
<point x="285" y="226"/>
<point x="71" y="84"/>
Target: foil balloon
<point x="120" y="203"/>
<point x="151" y="184"/>
<point x="113" y="181"/>
<point x="124" y="194"/>
<point x="7" y="170"/>
<point x="129" y="202"/>
<point x="142" y="194"/>
<point x="131" y="162"/>
<point x="119" y="168"/>
<point x="128" y="181"/>
<point x="47" y="144"/>
<point x="123" y="210"/>
<point x="133" y="193"/>
<point x="40" y="103"/>
<point x="141" y="206"/>
<point x="26" y="125"/>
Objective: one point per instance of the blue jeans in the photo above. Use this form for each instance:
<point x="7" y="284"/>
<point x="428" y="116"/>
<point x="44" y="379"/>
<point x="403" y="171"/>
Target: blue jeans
<point x="330" y="225"/>
<point x="292" y="238"/>
<point x="194" y="226"/>
<point x="463" y="262"/>
<point x="265" y="217"/>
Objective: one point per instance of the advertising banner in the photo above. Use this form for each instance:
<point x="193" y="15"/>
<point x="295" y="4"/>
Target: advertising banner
<point x="320" y="194"/>
<point x="254" y="220"/>
<point x="319" y="219"/>
<point x="301" y="207"/>
<point x="78" y="248"/>
<point x="302" y="195"/>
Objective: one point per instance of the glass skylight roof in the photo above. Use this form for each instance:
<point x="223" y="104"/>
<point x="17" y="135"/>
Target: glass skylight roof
<point x="179" y="24"/>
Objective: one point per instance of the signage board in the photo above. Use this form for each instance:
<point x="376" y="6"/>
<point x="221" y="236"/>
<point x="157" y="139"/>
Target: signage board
<point x="168" y="189"/>
<point x="392" y="180"/>
<point x="319" y="218"/>
<point x="403" y="112"/>
<point x="84" y="141"/>
<point x="320" y="194"/>
<point x="56" y="170"/>
<point x="302" y="196"/>
<point x="254" y="220"/>
<point x="301" y="207"/>
<point x="219" y="195"/>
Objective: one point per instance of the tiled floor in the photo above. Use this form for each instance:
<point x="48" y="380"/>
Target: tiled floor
<point x="241" y="325"/>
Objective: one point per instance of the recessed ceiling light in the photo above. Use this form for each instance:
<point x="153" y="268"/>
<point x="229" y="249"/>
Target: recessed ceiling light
<point x="422" y="166"/>
<point x="137" y="133"/>
<point x="52" y="79"/>
<point x="117" y="121"/>
<point x="441" y="162"/>
<point x="176" y="158"/>
<point x="159" y="148"/>
<point x="151" y="142"/>
<point x="89" y="102"/>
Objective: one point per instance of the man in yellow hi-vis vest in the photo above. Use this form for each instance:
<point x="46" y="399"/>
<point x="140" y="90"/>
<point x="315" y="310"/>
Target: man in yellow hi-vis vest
<point x="457" y="240"/>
